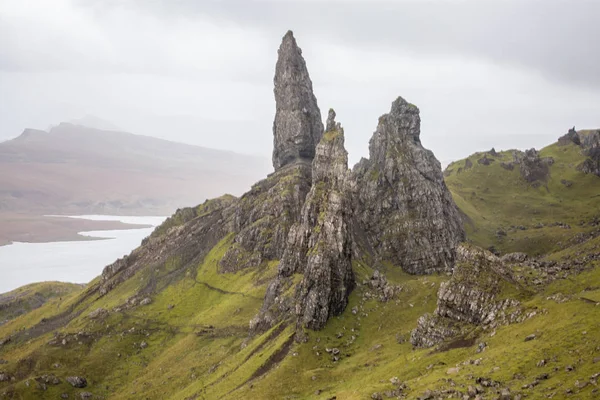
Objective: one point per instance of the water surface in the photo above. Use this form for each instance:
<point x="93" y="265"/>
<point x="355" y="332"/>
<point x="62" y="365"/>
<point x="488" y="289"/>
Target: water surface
<point x="78" y="262"/>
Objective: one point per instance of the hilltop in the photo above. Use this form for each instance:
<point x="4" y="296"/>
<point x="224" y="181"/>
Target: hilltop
<point x="534" y="202"/>
<point x="327" y="282"/>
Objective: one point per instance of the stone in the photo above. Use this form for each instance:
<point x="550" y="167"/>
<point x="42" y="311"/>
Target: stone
<point x="77" y="381"/>
<point x="404" y="209"/>
<point x="85" y="395"/>
<point x="541" y="363"/>
<point x="98" y="313"/>
<point x="534" y="169"/>
<point x="471" y="391"/>
<point x="452" y="371"/>
<point x="485" y="160"/>
<point x="145" y="301"/>
<point x="570" y="137"/>
<point x="297" y="128"/>
<point x="530" y="337"/>
<point x="590" y="143"/>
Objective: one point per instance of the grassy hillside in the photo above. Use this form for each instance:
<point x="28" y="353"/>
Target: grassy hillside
<point x="187" y="336"/>
<point x="503" y="210"/>
<point x="24" y="299"/>
<point x="191" y="342"/>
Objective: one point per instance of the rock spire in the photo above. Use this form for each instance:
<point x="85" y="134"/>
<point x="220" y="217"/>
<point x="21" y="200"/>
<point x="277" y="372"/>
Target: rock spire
<point x="297" y="127"/>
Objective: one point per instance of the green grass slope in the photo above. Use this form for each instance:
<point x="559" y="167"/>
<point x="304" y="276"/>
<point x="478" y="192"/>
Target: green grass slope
<point x="26" y="298"/>
<point x="495" y="200"/>
<point x="191" y="342"/>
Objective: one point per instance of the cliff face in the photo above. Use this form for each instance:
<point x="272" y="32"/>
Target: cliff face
<point x="406" y="210"/>
<point x="319" y="246"/>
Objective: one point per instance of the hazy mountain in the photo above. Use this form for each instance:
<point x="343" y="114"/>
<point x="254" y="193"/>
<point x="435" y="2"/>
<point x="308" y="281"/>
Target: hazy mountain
<point x="77" y="169"/>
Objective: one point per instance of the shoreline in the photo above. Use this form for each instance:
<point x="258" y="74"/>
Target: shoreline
<point x="25" y="228"/>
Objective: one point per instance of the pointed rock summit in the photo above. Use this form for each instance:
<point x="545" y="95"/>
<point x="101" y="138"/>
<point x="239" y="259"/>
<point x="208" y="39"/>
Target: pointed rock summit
<point x="404" y="206"/>
<point x="297" y="127"/>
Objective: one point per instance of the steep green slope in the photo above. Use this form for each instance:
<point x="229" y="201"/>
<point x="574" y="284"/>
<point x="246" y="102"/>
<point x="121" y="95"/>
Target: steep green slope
<point x="30" y="297"/>
<point x="503" y="210"/>
<point x="191" y="341"/>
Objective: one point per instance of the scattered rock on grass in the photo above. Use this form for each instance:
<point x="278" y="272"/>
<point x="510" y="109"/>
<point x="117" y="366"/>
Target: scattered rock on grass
<point x="77" y="381"/>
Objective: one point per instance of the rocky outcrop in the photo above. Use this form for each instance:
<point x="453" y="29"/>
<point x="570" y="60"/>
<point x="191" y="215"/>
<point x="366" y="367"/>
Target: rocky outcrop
<point x="312" y="214"/>
<point x="570" y="137"/>
<point x="319" y="246"/>
<point x="188" y="243"/>
<point x="476" y="294"/>
<point x="263" y="216"/>
<point x="469" y="297"/>
<point x="298" y="127"/>
<point x="590" y="143"/>
<point x="534" y="169"/>
<point x="406" y="211"/>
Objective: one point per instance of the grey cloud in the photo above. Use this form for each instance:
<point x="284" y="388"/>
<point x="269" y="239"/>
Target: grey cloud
<point x="556" y="37"/>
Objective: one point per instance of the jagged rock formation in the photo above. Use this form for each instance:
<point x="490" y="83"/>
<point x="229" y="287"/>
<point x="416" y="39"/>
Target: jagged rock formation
<point x="534" y="169"/>
<point x="590" y="143"/>
<point x="483" y="289"/>
<point x="298" y="127"/>
<point x="319" y="246"/>
<point x="312" y="214"/>
<point x="406" y="211"/>
<point x="570" y="137"/>
<point x="263" y="217"/>
<point x="470" y="297"/>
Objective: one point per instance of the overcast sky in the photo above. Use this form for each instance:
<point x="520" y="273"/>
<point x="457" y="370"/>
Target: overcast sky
<point x="509" y="74"/>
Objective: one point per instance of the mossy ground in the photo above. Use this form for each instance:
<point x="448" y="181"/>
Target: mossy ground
<point x="29" y="297"/>
<point x="196" y="333"/>
<point x="496" y="199"/>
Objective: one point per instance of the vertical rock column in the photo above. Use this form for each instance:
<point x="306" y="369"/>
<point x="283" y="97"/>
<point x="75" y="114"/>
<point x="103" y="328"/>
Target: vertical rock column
<point x="297" y="127"/>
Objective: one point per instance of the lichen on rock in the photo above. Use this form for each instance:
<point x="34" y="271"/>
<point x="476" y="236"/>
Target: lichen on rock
<point x="319" y="246"/>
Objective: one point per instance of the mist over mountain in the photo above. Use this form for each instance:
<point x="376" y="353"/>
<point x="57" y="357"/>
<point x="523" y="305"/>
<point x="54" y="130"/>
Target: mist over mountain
<point x="77" y="169"/>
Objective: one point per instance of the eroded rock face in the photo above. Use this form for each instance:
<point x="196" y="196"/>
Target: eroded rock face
<point x="263" y="217"/>
<point x="534" y="169"/>
<point x="569" y="137"/>
<point x="469" y="297"/>
<point x="404" y="206"/>
<point x="188" y="243"/>
<point x="298" y="127"/>
<point x="590" y="143"/>
<point x="319" y="246"/>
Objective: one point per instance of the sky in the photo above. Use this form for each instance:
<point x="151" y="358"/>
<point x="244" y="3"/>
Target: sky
<point x="504" y="74"/>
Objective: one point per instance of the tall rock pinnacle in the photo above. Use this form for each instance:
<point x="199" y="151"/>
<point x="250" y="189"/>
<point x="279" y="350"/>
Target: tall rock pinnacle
<point x="319" y="245"/>
<point x="297" y="127"/>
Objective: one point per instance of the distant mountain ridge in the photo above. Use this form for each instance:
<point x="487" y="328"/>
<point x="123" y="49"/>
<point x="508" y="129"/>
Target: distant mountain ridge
<point x="77" y="169"/>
